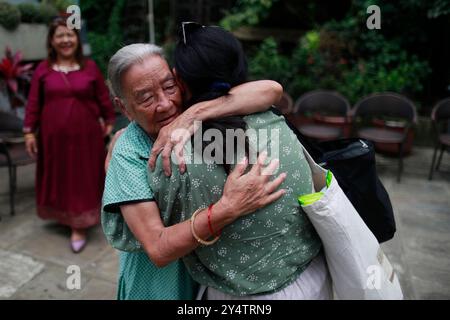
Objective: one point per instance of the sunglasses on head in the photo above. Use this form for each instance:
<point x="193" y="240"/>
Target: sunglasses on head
<point x="189" y="25"/>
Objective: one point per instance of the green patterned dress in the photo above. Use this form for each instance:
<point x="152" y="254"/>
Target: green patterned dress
<point x="259" y="253"/>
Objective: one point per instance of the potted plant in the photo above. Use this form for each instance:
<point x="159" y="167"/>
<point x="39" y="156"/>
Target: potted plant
<point x="14" y="75"/>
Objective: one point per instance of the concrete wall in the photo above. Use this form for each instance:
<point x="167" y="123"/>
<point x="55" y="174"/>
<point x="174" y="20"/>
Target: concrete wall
<point x="29" y="38"/>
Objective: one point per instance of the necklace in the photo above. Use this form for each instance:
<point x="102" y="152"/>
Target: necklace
<point x="66" y="69"/>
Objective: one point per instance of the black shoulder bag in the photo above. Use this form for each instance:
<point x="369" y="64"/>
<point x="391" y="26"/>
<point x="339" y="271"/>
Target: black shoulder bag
<point x="352" y="162"/>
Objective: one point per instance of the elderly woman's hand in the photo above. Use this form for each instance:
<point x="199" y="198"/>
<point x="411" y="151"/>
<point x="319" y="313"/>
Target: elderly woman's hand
<point x="245" y="193"/>
<point x="172" y="137"/>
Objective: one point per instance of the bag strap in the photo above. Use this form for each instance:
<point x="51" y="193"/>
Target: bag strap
<point x="319" y="174"/>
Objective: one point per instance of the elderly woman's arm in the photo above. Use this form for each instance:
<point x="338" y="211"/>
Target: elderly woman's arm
<point x="243" y="193"/>
<point x="247" y="98"/>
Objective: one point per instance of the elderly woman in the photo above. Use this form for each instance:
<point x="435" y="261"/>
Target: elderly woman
<point x="146" y="90"/>
<point x="274" y="253"/>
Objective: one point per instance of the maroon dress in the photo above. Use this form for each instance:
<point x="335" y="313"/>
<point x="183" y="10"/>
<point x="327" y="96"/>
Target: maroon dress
<point x="64" y="110"/>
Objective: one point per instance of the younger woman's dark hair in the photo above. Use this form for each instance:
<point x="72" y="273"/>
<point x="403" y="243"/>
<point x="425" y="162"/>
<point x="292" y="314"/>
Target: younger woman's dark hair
<point x="210" y="60"/>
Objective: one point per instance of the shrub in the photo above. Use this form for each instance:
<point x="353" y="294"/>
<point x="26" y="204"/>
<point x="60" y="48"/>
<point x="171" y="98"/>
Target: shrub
<point x="47" y="12"/>
<point x="247" y="12"/>
<point x="29" y="12"/>
<point x="322" y="60"/>
<point x="59" y="5"/>
<point x="9" y="16"/>
<point x="105" y="44"/>
<point x="268" y="61"/>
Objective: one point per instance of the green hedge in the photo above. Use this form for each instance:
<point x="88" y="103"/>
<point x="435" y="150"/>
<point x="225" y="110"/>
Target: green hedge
<point x="9" y="16"/>
<point x="12" y="15"/>
<point x="29" y="12"/>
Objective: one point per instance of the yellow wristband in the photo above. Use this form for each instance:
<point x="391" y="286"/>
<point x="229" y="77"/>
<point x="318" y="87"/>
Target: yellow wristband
<point x="200" y="240"/>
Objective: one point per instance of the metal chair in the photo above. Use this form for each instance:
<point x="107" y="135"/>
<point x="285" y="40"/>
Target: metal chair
<point x="321" y="115"/>
<point x="385" y="108"/>
<point x="286" y="104"/>
<point x="12" y="150"/>
<point x="440" y="116"/>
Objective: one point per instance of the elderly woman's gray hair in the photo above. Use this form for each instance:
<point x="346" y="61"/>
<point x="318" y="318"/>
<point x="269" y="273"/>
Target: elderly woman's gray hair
<point x="124" y="58"/>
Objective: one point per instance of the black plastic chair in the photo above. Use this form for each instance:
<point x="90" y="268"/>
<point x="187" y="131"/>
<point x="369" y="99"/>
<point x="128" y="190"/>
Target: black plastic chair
<point x="12" y="150"/>
<point x="286" y="104"/>
<point x="319" y="106"/>
<point x="389" y="107"/>
<point x="440" y="116"/>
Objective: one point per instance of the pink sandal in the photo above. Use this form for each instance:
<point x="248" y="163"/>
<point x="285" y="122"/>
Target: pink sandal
<point x="78" y="245"/>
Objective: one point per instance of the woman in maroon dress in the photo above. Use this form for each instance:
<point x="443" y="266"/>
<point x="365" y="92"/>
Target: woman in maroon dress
<point x="67" y="116"/>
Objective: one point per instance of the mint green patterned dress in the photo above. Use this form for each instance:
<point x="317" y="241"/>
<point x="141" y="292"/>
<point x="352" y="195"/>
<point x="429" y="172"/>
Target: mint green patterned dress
<point x="126" y="182"/>
<point x="259" y="253"/>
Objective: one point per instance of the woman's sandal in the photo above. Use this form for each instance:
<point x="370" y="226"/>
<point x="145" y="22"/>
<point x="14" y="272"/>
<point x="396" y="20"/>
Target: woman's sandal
<point x="78" y="245"/>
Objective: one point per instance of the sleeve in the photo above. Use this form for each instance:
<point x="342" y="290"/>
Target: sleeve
<point x="126" y="182"/>
<point x="103" y="97"/>
<point x="35" y="99"/>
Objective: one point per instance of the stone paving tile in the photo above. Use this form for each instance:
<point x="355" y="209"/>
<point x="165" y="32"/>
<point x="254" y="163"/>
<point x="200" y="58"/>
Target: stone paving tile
<point x="394" y="251"/>
<point x="15" y="271"/>
<point x="105" y="267"/>
<point x="18" y="227"/>
<point x="51" y="243"/>
<point x="51" y="284"/>
<point x="97" y="289"/>
<point x="430" y="290"/>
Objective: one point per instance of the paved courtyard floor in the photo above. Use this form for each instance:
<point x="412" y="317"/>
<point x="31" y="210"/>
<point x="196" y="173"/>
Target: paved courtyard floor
<point x="35" y="254"/>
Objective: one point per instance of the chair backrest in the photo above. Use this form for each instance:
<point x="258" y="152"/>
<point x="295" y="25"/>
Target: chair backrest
<point x="386" y="104"/>
<point x="323" y="102"/>
<point x="10" y="122"/>
<point x="441" y="110"/>
<point x="286" y="104"/>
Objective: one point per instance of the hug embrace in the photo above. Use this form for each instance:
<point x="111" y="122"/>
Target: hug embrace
<point x="225" y="227"/>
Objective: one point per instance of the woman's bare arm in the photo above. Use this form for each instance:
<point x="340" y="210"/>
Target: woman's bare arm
<point x="247" y="98"/>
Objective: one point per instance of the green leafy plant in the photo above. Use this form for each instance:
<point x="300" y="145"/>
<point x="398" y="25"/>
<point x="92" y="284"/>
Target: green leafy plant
<point x="104" y="45"/>
<point x="247" y="12"/>
<point x="29" y="12"/>
<point x="268" y="61"/>
<point x="324" y="60"/>
<point x="47" y="12"/>
<point x="9" y="16"/>
<point x="59" y="5"/>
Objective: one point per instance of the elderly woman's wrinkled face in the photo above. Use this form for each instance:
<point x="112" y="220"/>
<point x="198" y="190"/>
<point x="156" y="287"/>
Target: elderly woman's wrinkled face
<point x="151" y="93"/>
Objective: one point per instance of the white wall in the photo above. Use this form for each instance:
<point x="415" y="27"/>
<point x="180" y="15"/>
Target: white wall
<point x="28" y="38"/>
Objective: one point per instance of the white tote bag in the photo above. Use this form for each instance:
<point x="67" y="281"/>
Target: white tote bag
<point x="358" y="267"/>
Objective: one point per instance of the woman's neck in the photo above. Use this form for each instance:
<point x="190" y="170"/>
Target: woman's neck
<point x="66" y="62"/>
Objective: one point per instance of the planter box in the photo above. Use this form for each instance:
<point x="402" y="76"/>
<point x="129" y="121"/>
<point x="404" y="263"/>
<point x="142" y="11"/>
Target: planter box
<point x="5" y="105"/>
<point x="29" y="38"/>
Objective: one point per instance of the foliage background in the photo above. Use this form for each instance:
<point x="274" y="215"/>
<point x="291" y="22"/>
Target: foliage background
<point x="336" y="51"/>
